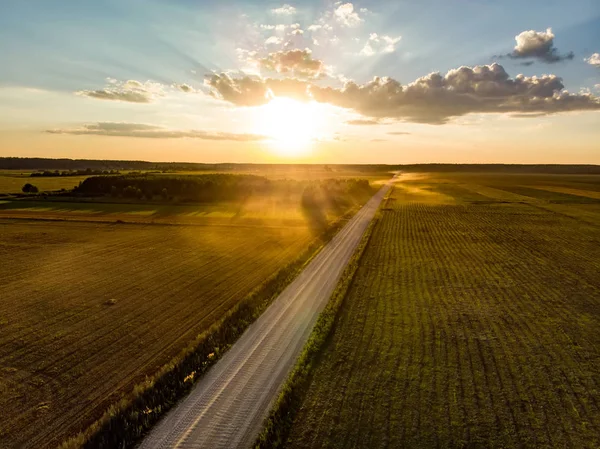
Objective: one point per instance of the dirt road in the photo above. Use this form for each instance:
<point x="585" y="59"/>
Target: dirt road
<point x="227" y="407"/>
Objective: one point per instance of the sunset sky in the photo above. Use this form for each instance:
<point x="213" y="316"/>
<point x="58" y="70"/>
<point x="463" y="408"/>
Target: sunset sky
<point x="301" y="81"/>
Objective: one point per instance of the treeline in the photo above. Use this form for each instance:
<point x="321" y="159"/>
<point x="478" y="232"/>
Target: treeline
<point x="40" y="164"/>
<point x="557" y="169"/>
<point x="218" y="187"/>
<point x="86" y="172"/>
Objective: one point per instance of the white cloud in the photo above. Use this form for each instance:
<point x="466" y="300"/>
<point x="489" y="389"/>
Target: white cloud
<point x="380" y="44"/>
<point x="594" y="60"/>
<point x="285" y="10"/>
<point x="273" y="40"/>
<point x="346" y="15"/>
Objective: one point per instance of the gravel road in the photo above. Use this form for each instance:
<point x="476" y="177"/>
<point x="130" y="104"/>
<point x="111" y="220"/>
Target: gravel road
<point x="227" y="407"/>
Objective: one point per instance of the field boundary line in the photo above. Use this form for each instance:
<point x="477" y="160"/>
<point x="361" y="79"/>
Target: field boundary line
<point x="124" y="423"/>
<point x="278" y="423"/>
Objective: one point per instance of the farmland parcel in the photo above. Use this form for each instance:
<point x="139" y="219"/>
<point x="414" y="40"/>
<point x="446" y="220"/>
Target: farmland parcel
<point x="472" y="321"/>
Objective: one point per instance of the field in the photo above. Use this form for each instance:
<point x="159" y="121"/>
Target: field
<point x="12" y="181"/>
<point x="99" y="293"/>
<point x="472" y="321"/>
<point x="89" y="309"/>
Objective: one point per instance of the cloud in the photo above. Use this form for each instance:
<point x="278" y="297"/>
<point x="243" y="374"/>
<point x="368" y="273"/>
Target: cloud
<point x="151" y="131"/>
<point x="273" y="40"/>
<point x="399" y="133"/>
<point x="298" y="63"/>
<point x="131" y="91"/>
<point x="380" y="44"/>
<point x="378" y="140"/>
<point x="185" y="88"/>
<point x="285" y="10"/>
<point x="255" y="91"/>
<point x="594" y="60"/>
<point x="538" y="45"/>
<point x="346" y="16"/>
<point x="364" y="122"/>
<point x="432" y="99"/>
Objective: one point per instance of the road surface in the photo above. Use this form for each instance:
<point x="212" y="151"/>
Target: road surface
<point x="227" y="407"/>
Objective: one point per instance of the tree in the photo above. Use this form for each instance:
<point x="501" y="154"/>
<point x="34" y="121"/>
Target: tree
<point x="30" y="188"/>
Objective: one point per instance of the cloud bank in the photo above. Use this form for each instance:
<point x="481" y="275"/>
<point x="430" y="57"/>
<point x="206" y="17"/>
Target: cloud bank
<point x="433" y="99"/>
<point x="151" y="131"/>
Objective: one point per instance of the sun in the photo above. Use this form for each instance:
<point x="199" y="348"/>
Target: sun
<point x="291" y="125"/>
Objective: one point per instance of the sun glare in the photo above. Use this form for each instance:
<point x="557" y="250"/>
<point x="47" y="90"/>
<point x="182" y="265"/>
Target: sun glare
<point x="292" y="125"/>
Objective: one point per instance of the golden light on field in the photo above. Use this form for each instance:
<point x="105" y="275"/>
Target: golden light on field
<point x="291" y="125"/>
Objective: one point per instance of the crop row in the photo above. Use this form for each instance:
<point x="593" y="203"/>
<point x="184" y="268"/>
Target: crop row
<point x="466" y="325"/>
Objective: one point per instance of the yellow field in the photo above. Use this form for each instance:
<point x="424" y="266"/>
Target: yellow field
<point x="88" y="310"/>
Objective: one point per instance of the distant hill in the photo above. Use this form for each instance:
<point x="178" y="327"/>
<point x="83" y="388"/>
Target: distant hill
<point x="35" y="164"/>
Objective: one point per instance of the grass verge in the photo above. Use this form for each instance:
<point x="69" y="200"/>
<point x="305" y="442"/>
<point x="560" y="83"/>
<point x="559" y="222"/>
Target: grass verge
<point x="279" y="422"/>
<point x="126" y="422"/>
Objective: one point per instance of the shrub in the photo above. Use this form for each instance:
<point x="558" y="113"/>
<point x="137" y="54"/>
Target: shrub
<point x="30" y="188"/>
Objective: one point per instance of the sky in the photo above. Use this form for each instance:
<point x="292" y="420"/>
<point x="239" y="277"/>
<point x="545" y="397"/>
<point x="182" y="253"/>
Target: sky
<point x="315" y="81"/>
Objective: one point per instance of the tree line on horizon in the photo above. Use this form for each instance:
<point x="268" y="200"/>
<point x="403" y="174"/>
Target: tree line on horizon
<point x="48" y="164"/>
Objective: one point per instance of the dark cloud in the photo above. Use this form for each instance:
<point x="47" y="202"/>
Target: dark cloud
<point x="131" y="91"/>
<point x="298" y="63"/>
<point x="538" y="45"/>
<point x="255" y="91"/>
<point x="151" y="131"/>
<point x="433" y="99"/>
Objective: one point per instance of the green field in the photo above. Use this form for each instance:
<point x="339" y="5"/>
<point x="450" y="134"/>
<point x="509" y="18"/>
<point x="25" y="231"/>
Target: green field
<point x="473" y="321"/>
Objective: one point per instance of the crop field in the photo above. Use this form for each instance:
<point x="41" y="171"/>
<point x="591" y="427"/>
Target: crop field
<point x="12" y="181"/>
<point x="88" y="310"/>
<point x="473" y="321"/>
